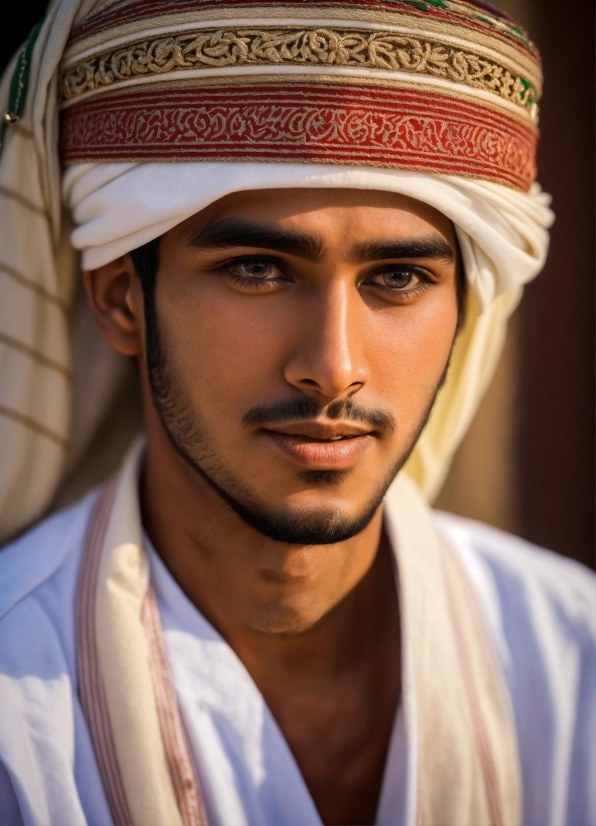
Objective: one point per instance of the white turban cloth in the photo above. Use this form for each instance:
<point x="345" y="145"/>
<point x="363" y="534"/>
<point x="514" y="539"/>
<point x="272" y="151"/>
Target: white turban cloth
<point x="68" y="407"/>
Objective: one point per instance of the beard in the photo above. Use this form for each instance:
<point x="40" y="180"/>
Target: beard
<point x="189" y="434"/>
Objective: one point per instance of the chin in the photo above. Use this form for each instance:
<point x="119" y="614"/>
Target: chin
<point x="309" y="525"/>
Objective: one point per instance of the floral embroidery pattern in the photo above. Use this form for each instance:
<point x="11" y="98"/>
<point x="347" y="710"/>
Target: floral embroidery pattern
<point x="323" y="48"/>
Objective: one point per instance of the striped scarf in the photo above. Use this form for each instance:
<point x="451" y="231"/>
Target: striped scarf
<point x="462" y="744"/>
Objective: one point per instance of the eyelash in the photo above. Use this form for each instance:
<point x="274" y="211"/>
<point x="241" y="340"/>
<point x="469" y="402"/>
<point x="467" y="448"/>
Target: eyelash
<point x="254" y="284"/>
<point x="407" y="293"/>
<point x="257" y="285"/>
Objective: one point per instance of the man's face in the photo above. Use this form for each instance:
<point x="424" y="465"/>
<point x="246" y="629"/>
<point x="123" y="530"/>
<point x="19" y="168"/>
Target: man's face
<point x="302" y="337"/>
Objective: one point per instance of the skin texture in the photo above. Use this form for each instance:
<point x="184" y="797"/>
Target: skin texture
<point x="345" y="299"/>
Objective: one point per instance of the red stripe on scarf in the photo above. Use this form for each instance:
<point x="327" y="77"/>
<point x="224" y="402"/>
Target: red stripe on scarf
<point x="92" y="696"/>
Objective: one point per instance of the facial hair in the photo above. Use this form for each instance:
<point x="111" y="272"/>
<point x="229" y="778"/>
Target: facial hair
<point x="188" y="433"/>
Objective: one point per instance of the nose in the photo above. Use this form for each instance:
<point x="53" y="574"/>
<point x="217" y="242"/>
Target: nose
<point x="328" y="356"/>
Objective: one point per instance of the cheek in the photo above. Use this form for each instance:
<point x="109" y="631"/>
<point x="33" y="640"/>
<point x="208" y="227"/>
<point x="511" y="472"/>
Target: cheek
<point x="409" y="348"/>
<point x="227" y="349"/>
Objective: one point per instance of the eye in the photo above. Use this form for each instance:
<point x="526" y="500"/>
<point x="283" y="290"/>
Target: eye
<point x="398" y="278"/>
<point x="255" y="270"/>
<point x="254" y="273"/>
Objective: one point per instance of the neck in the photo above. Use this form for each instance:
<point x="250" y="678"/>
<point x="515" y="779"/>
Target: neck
<point x="316" y="627"/>
<point x="283" y="608"/>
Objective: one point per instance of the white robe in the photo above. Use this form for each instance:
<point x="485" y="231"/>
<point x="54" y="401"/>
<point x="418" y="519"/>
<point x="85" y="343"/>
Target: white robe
<point x="540" y="610"/>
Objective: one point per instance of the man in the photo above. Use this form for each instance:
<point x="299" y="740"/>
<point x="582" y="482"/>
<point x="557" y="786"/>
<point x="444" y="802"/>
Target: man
<point x="306" y="225"/>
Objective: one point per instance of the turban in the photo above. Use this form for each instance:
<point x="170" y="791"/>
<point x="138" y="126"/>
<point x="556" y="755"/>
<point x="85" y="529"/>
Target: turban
<point x="122" y="119"/>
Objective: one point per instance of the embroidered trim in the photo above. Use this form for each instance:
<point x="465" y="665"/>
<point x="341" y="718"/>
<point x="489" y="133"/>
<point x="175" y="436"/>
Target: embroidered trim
<point x="295" y="46"/>
<point x="485" y="755"/>
<point x="472" y="16"/>
<point x="346" y="125"/>
<point x="92" y="693"/>
<point x="176" y="746"/>
<point x="90" y="688"/>
<point x="19" y="84"/>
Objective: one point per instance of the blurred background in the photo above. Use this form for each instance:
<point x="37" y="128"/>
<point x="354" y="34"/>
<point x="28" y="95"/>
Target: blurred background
<point x="527" y="464"/>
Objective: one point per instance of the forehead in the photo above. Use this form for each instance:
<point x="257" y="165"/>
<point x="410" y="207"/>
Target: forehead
<point x="327" y="212"/>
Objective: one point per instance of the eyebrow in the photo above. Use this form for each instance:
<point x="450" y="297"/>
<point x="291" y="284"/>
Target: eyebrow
<point x="430" y="246"/>
<point x="241" y="232"/>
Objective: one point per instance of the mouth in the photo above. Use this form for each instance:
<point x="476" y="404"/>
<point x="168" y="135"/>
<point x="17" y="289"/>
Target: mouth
<point x="319" y="445"/>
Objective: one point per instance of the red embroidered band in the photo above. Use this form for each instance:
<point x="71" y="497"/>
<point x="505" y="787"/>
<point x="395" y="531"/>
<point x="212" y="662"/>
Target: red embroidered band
<point x="347" y="125"/>
<point x="441" y="86"/>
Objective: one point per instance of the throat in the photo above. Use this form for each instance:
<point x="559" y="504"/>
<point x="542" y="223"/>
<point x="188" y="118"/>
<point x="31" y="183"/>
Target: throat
<point x="337" y="716"/>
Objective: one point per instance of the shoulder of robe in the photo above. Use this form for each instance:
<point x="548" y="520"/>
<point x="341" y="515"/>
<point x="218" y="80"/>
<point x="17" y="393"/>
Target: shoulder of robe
<point x="28" y="563"/>
<point x="540" y="611"/>
<point x="526" y="578"/>
<point x="43" y="747"/>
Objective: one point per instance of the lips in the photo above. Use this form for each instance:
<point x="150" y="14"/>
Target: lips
<point x="321" y="430"/>
<point x="321" y="445"/>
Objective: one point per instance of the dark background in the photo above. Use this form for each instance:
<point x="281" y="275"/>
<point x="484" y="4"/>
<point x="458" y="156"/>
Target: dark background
<point x="555" y="447"/>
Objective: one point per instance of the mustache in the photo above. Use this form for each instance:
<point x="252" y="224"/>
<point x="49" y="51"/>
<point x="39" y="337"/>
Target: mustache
<point x="307" y="407"/>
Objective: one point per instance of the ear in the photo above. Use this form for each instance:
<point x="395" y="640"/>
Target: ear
<point x="116" y="299"/>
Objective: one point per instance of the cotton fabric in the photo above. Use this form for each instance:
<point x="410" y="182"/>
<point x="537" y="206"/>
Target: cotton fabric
<point x="467" y="762"/>
<point x="117" y="207"/>
<point x="540" y="610"/>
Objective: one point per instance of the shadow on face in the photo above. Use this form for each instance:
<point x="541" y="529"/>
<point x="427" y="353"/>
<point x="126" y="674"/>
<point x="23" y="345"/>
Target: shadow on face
<point x="295" y="343"/>
<point x="291" y="344"/>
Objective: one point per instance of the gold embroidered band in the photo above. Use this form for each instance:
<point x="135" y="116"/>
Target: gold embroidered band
<point x="294" y="46"/>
